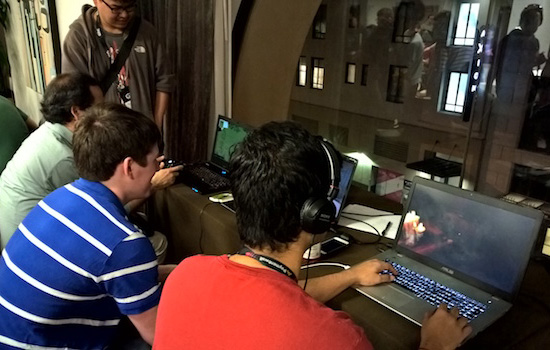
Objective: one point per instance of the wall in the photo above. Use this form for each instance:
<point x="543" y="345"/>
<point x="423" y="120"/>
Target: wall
<point x="67" y="12"/>
<point x="26" y="98"/>
<point x="274" y="38"/>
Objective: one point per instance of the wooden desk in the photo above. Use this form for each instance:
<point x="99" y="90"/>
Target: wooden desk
<point x="194" y="225"/>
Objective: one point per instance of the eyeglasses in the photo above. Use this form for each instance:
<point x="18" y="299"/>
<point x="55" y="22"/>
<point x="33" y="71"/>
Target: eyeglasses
<point x="117" y="10"/>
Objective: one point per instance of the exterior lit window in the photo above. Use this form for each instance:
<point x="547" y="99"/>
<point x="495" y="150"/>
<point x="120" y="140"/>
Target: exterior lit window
<point x="396" y="84"/>
<point x="320" y="23"/>
<point x="350" y="73"/>
<point x="318" y="73"/>
<point x="466" y="24"/>
<point x="302" y="72"/>
<point x="456" y="92"/>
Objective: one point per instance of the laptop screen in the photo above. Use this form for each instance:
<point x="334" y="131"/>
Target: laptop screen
<point x="481" y="240"/>
<point x="346" y="175"/>
<point x="228" y="135"/>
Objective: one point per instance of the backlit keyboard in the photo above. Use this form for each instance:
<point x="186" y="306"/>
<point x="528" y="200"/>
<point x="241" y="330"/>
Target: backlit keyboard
<point x="215" y="181"/>
<point x="436" y="293"/>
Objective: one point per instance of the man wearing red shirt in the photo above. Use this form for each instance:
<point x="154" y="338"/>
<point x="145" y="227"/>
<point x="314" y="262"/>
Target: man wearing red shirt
<point x="252" y="300"/>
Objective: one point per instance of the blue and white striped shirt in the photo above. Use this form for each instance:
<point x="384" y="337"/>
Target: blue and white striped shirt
<point x="73" y="267"/>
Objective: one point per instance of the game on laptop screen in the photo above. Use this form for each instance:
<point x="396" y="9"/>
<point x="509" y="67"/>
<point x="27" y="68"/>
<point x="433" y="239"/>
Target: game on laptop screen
<point x="346" y="175"/>
<point x="480" y="240"/>
<point x="228" y="135"/>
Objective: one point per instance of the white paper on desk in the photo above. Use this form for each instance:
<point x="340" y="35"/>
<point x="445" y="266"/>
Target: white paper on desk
<point x="353" y="216"/>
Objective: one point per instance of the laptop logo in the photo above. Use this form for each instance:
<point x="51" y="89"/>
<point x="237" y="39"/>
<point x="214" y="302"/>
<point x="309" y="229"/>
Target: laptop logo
<point x="448" y="270"/>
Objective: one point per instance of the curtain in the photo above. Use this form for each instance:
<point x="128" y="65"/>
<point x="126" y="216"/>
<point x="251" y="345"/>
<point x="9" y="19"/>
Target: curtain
<point x="186" y="29"/>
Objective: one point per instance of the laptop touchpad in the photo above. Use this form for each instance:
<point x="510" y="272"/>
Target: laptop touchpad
<point x="397" y="297"/>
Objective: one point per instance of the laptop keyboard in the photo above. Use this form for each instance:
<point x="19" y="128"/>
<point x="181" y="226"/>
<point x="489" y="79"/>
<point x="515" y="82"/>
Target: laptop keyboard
<point x="215" y="181"/>
<point x="436" y="293"/>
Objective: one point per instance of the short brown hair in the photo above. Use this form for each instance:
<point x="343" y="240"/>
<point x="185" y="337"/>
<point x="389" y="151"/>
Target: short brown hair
<point x="106" y="134"/>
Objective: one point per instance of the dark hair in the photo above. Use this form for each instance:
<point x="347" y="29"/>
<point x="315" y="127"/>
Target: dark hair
<point x="529" y="10"/>
<point x="106" y="134"/>
<point x="273" y="171"/>
<point x="65" y="91"/>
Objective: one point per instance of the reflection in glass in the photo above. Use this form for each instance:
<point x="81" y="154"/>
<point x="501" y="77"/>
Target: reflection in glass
<point x="414" y="60"/>
<point x="318" y="77"/>
<point x="466" y="25"/>
<point x="302" y="72"/>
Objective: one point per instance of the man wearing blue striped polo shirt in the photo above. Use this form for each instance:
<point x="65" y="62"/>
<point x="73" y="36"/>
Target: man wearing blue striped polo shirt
<point x="76" y="264"/>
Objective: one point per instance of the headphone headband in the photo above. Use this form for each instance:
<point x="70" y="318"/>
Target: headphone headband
<point x="318" y="214"/>
<point x="333" y="160"/>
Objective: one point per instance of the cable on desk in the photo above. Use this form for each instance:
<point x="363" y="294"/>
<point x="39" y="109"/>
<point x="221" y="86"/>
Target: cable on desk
<point x="359" y="242"/>
<point x="343" y="266"/>
<point x="367" y="215"/>
<point x="200" y="225"/>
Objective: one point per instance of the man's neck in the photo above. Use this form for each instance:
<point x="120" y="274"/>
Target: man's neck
<point x="71" y="125"/>
<point x="290" y="257"/>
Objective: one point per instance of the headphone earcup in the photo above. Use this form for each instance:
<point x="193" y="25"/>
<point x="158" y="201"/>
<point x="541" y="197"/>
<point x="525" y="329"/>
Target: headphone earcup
<point x="317" y="215"/>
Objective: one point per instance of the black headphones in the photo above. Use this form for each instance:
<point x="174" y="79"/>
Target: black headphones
<point x="317" y="214"/>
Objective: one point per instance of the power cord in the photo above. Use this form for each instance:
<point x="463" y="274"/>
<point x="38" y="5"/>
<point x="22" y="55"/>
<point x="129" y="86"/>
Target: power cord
<point x="367" y="215"/>
<point x="308" y="256"/>
<point x="308" y="266"/>
<point x="378" y="234"/>
<point x="200" y="225"/>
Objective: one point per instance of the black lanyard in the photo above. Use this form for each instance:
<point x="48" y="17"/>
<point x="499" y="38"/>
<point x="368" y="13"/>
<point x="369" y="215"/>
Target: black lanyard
<point x="269" y="262"/>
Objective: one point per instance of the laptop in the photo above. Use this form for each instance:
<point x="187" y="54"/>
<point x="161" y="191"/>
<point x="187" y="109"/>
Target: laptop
<point x="210" y="177"/>
<point x="347" y="170"/>
<point x="469" y="251"/>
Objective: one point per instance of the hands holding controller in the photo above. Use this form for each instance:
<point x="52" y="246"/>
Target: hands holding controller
<point x="167" y="174"/>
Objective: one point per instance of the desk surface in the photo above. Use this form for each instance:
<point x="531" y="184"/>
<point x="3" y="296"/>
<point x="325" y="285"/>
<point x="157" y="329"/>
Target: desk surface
<point x="194" y="225"/>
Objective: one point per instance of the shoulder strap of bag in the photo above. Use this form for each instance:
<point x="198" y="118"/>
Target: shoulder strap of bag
<point x="121" y="57"/>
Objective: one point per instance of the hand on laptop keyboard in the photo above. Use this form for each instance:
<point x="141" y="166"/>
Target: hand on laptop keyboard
<point x="443" y="329"/>
<point x="371" y="272"/>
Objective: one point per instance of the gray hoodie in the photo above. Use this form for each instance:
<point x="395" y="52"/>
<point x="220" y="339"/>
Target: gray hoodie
<point x="147" y="66"/>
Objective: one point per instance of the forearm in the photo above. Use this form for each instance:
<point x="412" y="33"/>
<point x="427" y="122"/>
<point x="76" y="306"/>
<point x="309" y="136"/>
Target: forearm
<point x="327" y="287"/>
<point x="145" y="324"/>
<point x="161" y="105"/>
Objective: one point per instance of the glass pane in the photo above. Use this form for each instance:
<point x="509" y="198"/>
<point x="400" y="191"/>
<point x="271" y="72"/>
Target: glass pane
<point x="453" y="88"/>
<point x="414" y="69"/>
<point x="462" y="21"/>
<point x="472" y="21"/>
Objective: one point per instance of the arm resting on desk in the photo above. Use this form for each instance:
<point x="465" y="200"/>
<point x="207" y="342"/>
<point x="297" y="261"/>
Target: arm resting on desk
<point x="366" y="273"/>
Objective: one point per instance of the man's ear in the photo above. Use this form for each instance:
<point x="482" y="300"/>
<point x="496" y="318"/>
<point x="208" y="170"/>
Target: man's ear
<point x="127" y="167"/>
<point x="76" y="112"/>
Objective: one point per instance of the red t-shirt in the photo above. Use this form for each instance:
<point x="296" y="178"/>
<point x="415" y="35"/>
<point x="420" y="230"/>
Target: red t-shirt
<point x="210" y="302"/>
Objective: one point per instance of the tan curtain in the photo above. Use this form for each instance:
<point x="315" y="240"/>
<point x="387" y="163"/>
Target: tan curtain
<point x="187" y="31"/>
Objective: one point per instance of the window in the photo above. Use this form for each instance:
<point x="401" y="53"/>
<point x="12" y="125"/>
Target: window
<point x="404" y="21"/>
<point x="456" y="92"/>
<point x="318" y="73"/>
<point x="364" y="74"/>
<point x="350" y="73"/>
<point x="320" y="23"/>
<point x="301" y="77"/>
<point x="396" y="84"/>
<point x="466" y="24"/>
<point x="354" y="10"/>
